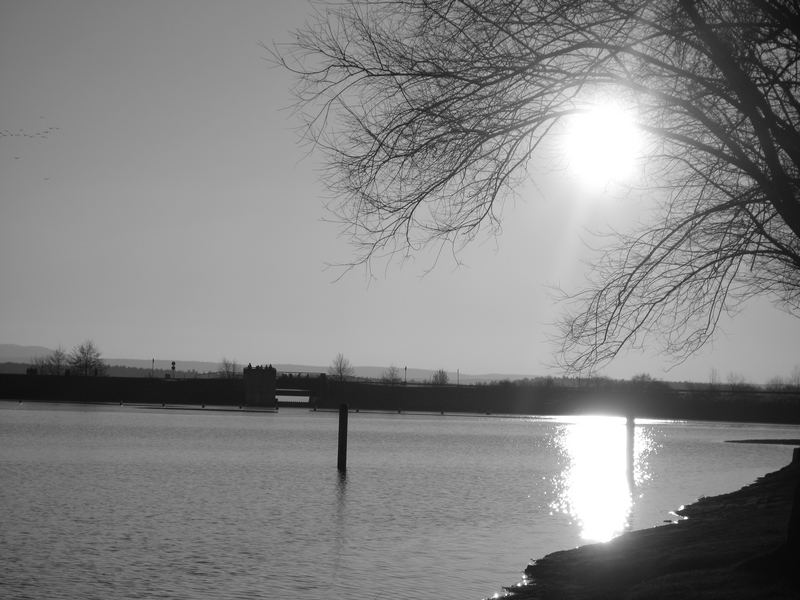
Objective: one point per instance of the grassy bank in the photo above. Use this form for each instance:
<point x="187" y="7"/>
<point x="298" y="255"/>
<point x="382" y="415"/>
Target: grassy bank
<point x="724" y="549"/>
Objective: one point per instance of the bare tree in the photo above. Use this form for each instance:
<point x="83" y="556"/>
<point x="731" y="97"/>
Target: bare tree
<point x="736" y="381"/>
<point x="229" y="369"/>
<point x="54" y="363"/>
<point x="793" y="380"/>
<point x="790" y="383"/>
<point x="85" y="359"/>
<point x="430" y="112"/>
<point x="341" y="368"/>
<point x="391" y="375"/>
<point x="440" y="377"/>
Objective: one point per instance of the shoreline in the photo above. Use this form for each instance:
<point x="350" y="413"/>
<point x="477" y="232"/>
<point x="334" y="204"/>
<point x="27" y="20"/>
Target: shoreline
<point x="723" y="548"/>
<point x="775" y="441"/>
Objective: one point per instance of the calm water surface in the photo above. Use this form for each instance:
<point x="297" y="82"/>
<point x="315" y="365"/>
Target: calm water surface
<point x="127" y="502"/>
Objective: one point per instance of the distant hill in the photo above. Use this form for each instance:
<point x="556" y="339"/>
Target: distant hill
<point x="163" y="365"/>
<point x="21" y="354"/>
<point x="13" y="353"/>
<point x="414" y="374"/>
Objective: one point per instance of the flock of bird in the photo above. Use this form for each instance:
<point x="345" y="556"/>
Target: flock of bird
<point x="35" y="135"/>
<point x="26" y="134"/>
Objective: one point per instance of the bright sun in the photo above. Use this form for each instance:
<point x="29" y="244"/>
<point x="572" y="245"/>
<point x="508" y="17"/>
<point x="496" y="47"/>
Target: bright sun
<point x="601" y="145"/>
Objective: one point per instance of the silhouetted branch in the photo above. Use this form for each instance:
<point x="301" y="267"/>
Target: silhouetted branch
<point x="429" y="112"/>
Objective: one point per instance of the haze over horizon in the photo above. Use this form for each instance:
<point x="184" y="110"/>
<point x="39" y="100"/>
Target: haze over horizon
<point x="154" y="198"/>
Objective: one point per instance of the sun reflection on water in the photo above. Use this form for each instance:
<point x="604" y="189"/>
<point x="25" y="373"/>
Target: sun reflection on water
<point x="597" y="486"/>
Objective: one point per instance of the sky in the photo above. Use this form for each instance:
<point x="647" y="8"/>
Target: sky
<point x="169" y="210"/>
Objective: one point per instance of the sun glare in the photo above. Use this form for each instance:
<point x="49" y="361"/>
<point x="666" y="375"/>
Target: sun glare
<point x="595" y="489"/>
<point x="601" y="145"/>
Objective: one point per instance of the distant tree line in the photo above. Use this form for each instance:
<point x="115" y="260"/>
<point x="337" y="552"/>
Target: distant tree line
<point x="786" y="384"/>
<point x="84" y="359"/>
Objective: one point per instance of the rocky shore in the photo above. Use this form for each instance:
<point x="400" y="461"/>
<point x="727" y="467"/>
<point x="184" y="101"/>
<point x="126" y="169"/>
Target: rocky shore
<point x="726" y="548"/>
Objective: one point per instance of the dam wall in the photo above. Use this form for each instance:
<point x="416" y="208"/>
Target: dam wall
<point x="126" y="390"/>
<point x="656" y="401"/>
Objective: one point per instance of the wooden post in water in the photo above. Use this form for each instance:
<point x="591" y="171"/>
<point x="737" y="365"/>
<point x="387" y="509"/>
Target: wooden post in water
<point x="341" y="463"/>
<point x="630" y="437"/>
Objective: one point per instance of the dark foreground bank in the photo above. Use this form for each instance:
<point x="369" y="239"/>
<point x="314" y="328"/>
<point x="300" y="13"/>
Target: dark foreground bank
<point x="725" y="549"/>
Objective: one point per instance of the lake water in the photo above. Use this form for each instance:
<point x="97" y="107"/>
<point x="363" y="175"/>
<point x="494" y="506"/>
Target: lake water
<point x="130" y="502"/>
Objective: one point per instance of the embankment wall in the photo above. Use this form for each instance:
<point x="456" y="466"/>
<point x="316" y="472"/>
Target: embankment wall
<point x="658" y="402"/>
<point x="128" y="390"/>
